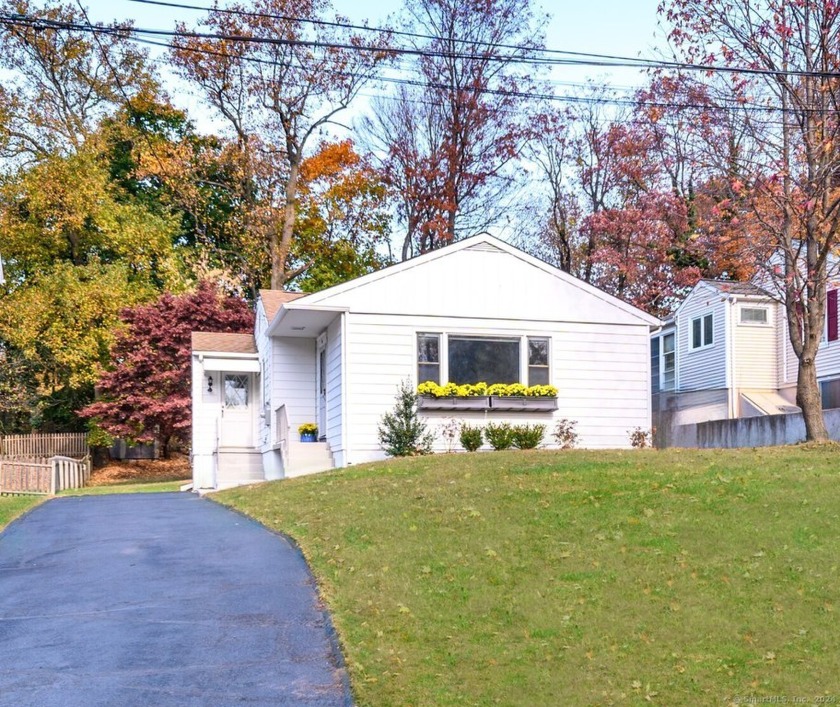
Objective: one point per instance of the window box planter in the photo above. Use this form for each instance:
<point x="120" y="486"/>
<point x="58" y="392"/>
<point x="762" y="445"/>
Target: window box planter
<point x="429" y="402"/>
<point x="504" y="403"/>
<point x="500" y="403"/>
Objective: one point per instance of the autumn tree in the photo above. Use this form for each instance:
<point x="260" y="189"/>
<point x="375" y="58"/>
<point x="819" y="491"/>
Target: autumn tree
<point x="789" y="106"/>
<point x="450" y="143"/>
<point x="344" y="217"/>
<point x="276" y="79"/>
<point x="56" y="332"/>
<point x="614" y="216"/>
<point x="59" y="81"/>
<point x="147" y="396"/>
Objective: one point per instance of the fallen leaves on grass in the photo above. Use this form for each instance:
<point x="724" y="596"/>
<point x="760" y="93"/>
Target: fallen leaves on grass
<point x="143" y="470"/>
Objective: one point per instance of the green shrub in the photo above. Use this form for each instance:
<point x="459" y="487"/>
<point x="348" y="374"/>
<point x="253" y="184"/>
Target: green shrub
<point x="499" y="436"/>
<point x="401" y="432"/>
<point x="564" y="433"/>
<point x="97" y="437"/>
<point x="527" y="436"/>
<point x="471" y="437"/>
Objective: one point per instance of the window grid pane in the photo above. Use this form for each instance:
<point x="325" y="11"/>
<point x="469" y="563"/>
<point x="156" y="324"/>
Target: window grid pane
<point x="754" y="315"/>
<point x="708" y="330"/>
<point x="428" y="358"/>
<point x="538" y="369"/>
<point x="696" y="332"/>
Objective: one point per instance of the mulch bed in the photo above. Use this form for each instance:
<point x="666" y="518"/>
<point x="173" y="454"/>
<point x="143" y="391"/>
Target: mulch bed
<point x="177" y="468"/>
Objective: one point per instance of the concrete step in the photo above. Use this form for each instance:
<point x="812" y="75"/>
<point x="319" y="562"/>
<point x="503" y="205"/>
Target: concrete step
<point x="308" y="458"/>
<point x="237" y="467"/>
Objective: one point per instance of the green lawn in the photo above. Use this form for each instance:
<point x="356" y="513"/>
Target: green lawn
<point x="576" y="578"/>
<point x="12" y="506"/>
<point x="126" y="487"/>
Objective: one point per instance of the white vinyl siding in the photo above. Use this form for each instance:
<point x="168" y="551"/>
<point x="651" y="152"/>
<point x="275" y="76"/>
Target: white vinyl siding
<point x="705" y="368"/>
<point x="293" y="380"/>
<point x="755" y="352"/>
<point x="828" y="356"/>
<point x="265" y="422"/>
<point x="478" y="284"/>
<point x="602" y="373"/>
<point x="333" y="431"/>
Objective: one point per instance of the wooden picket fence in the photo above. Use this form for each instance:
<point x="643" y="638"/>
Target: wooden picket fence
<point x="42" y="475"/>
<point x="64" y="444"/>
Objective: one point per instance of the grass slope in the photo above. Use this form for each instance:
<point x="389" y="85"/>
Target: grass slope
<point x="126" y="487"/>
<point x="13" y="506"/>
<point x="678" y="577"/>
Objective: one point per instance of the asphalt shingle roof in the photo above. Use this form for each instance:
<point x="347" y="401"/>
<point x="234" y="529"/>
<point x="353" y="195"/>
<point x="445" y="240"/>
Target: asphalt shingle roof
<point x="737" y="288"/>
<point x="274" y="299"/>
<point x="225" y="343"/>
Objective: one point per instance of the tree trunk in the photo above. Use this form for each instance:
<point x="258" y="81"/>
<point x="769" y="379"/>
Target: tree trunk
<point x="808" y="398"/>
<point x="281" y="247"/>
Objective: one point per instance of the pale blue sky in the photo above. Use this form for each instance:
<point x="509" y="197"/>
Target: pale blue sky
<point x="617" y="27"/>
<point x="624" y="27"/>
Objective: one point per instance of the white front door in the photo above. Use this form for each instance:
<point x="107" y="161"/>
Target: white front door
<point x="237" y="418"/>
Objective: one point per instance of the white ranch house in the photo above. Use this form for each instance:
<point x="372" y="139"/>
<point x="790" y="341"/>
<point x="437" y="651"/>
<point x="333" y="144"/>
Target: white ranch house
<point x="478" y="310"/>
<point x="726" y="354"/>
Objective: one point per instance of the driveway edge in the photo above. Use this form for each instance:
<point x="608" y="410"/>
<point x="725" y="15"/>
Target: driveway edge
<point x="336" y="654"/>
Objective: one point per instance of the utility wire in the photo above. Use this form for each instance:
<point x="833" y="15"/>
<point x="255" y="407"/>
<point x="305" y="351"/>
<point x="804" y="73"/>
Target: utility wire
<point x="130" y="34"/>
<point x="623" y="62"/>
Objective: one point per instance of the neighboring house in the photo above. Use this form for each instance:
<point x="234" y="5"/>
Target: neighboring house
<point x="478" y="310"/>
<point x="726" y="354"/>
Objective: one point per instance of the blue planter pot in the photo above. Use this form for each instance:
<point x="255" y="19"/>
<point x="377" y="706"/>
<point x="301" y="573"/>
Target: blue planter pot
<point x="309" y="437"/>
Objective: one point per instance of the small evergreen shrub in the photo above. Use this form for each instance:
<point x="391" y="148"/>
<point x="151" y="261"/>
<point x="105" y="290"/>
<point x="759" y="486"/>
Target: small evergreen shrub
<point x="471" y="437"/>
<point x="565" y="435"/>
<point x="402" y="433"/>
<point x="527" y="436"/>
<point x="499" y="436"/>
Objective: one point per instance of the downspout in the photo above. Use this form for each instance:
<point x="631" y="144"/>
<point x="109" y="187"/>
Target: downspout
<point x="345" y="437"/>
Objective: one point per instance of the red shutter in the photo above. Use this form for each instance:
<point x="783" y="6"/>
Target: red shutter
<point x="831" y="313"/>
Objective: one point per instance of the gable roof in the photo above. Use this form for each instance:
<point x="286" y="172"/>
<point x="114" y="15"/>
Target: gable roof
<point x="274" y="299"/>
<point x="206" y="341"/>
<point x="483" y="242"/>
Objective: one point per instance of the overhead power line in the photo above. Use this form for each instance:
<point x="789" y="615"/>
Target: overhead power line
<point x="130" y="33"/>
<point x="580" y="60"/>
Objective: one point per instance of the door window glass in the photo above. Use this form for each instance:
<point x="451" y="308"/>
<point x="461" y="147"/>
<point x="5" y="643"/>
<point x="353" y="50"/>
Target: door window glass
<point x="236" y="391"/>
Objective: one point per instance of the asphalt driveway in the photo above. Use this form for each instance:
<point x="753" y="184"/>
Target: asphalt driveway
<point x="159" y="599"/>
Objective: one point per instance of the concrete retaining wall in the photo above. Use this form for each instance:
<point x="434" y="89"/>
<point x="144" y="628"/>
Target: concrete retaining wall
<point x="765" y="431"/>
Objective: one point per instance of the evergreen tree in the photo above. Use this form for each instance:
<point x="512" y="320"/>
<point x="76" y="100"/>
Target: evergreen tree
<point x="401" y="432"/>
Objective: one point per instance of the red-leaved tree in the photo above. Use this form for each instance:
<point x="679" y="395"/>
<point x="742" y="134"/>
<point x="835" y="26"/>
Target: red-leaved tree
<point x="146" y="397"/>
